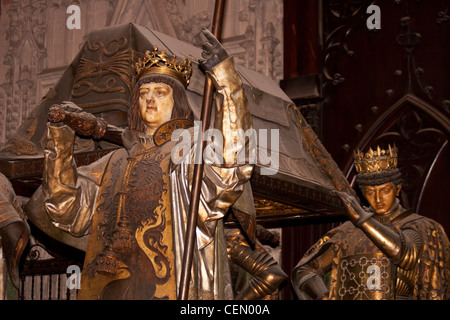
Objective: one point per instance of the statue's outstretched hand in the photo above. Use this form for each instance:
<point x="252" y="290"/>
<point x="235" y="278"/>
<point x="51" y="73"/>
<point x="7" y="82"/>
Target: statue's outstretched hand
<point x="61" y="112"/>
<point x="355" y="211"/>
<point x="84" y="123"/>
<point x="213" y="52"/>
<point x="56" y="114"/>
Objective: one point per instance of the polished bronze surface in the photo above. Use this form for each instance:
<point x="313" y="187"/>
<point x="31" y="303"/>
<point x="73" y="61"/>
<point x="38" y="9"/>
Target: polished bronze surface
<point x="376" y="160"/>
<point x="383" y="253"/>
<point x="266" y="274"/>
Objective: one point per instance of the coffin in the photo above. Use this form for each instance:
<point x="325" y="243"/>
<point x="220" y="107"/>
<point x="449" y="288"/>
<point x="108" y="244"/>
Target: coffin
<point x="294" y="174"/>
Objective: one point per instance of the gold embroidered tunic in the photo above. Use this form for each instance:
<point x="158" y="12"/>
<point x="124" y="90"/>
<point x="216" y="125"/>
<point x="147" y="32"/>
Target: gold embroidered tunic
<point x="134" y="201"/>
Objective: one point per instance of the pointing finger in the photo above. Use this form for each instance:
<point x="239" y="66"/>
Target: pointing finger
<point x="210" y="37"/>
<point x="207" y="46"/>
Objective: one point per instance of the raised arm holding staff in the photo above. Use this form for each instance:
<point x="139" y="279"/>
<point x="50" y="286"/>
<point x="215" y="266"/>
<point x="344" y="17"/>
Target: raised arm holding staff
<point x="133" y="203"/>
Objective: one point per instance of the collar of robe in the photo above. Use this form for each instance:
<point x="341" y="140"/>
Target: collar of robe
<point x="395" y="213"/>
<point x="162" y="134"/>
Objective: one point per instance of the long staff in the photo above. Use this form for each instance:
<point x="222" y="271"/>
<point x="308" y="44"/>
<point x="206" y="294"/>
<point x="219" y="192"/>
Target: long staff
<point x="198" y="167"/>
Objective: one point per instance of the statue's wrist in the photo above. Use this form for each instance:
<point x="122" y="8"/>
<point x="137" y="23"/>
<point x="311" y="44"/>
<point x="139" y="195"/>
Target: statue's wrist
<point x="360" y="217"/>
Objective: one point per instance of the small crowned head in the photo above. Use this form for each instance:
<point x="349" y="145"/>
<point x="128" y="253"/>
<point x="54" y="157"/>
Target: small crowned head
<point x="378" y="177"/>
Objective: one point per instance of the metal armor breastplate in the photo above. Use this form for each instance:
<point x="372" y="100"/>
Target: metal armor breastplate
<point x="365" y="277"/>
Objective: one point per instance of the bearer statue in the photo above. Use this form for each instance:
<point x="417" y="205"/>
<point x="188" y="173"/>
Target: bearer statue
<point x="384" y="252"/>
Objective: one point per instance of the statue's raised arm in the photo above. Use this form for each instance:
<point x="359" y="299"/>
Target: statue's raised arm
<point x="132" y="203"/>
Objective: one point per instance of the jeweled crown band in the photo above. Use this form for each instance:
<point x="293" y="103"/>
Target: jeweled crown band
<point x="158" y="62"/>
<point x="376" y="160"/>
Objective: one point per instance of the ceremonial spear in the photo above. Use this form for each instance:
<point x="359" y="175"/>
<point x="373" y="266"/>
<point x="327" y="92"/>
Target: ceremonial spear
<point x="198" y="167"/>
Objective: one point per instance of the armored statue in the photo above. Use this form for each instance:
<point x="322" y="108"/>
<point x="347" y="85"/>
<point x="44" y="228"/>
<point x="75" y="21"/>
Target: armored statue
<point x="384" y="252"/>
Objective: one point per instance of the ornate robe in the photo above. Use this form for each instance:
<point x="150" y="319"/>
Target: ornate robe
<point x="358" y="270"/>
<point x="134" y="201"/>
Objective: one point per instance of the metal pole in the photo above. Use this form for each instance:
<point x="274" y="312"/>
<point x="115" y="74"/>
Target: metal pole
<point x="198" y="167"/>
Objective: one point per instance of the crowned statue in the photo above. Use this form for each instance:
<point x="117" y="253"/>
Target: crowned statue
<point x="384" y="251"/>
<point x="133" y="203"/>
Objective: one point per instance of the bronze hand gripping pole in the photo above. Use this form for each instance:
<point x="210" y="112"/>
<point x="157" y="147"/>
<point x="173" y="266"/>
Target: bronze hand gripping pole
<point x="198" y="167"/>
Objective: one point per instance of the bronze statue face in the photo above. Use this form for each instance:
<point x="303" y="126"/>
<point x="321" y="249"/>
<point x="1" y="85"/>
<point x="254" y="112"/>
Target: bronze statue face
<point x="381" y="198"/>
<point x="155" y="104"/>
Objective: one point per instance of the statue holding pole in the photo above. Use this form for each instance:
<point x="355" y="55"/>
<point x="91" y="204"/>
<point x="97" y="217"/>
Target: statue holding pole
<point x="134" y="201"/>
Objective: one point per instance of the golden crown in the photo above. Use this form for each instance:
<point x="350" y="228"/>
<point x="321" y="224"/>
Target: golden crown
<point x="158" y="62"/>
<point x="376" y="160"/>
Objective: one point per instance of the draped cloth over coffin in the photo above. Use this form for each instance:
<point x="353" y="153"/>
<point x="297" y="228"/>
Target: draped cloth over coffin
<point x="100" y="80"/>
